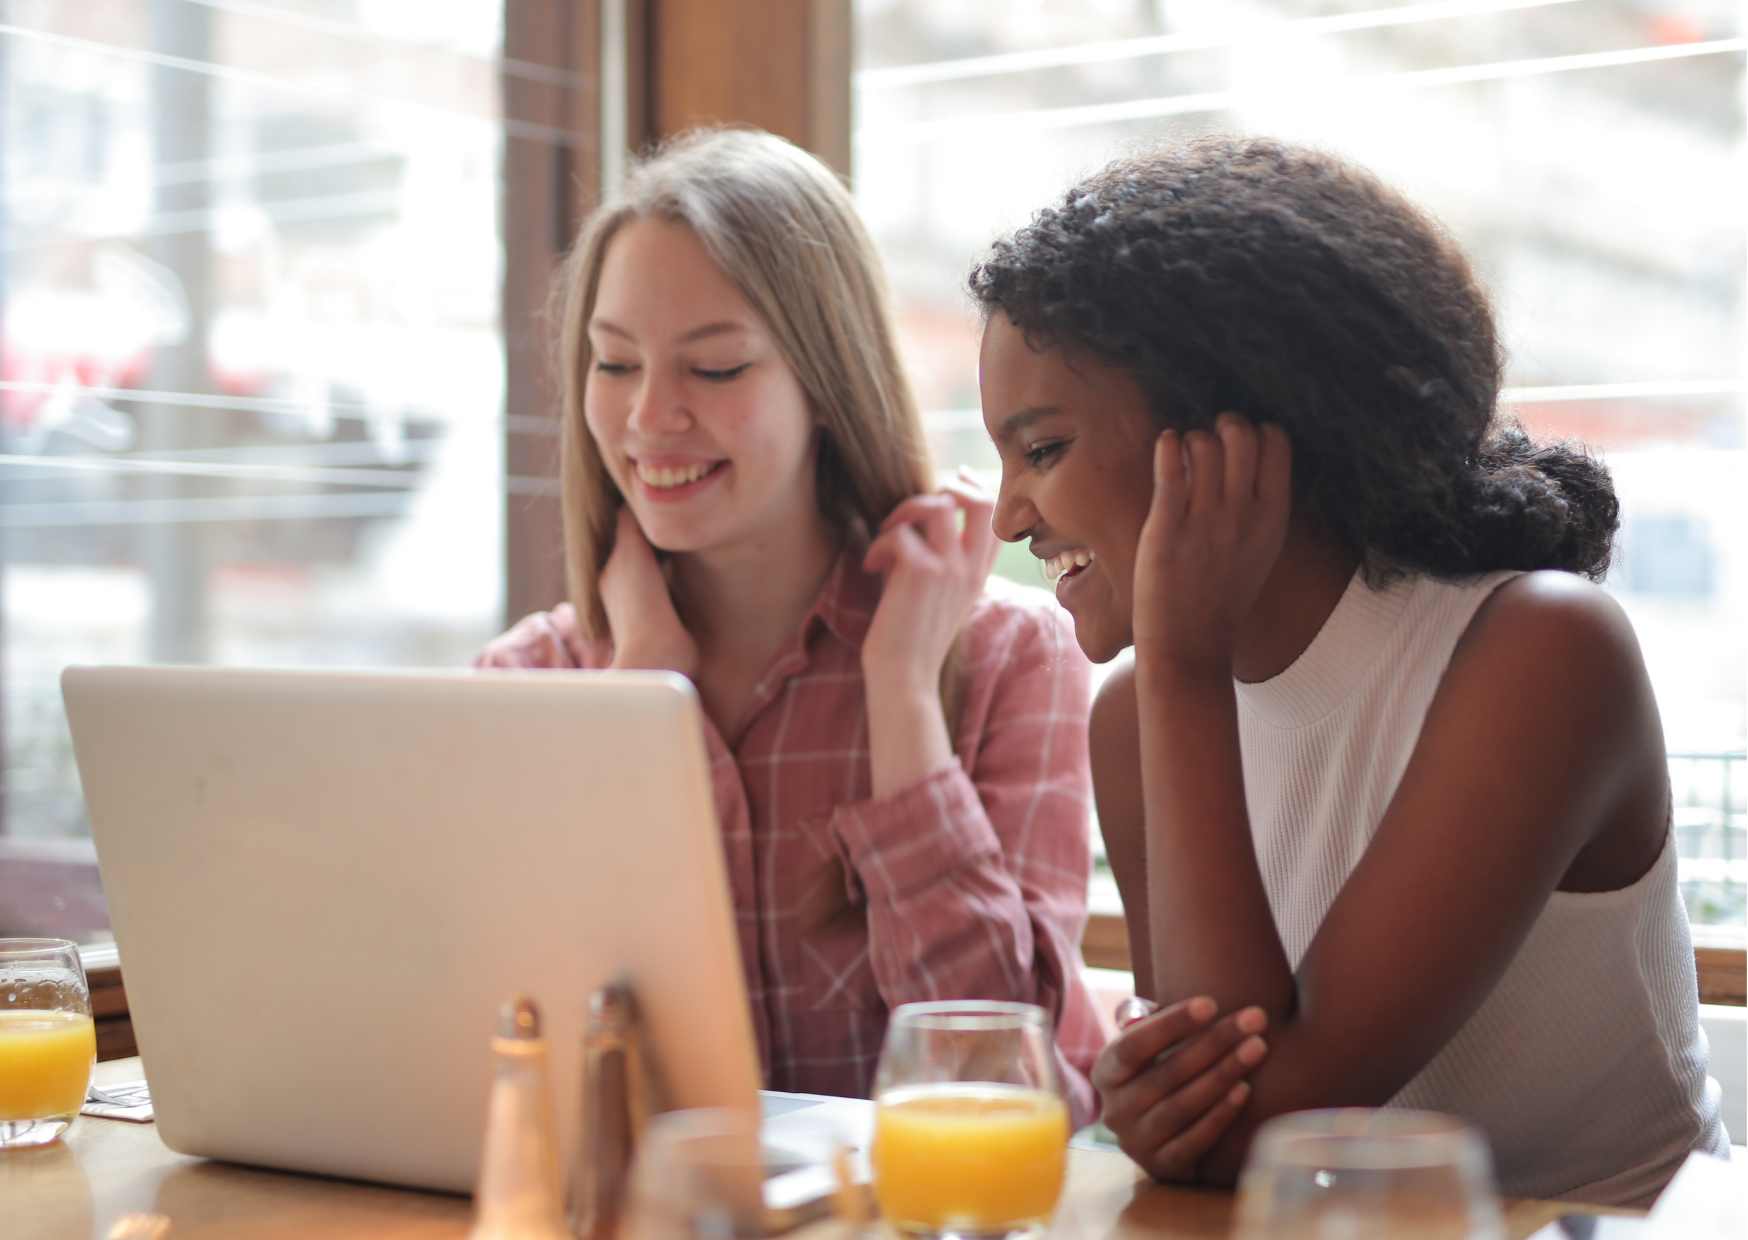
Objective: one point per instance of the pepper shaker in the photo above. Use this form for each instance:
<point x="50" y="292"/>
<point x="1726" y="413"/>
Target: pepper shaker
<point x="613" y="1111"/>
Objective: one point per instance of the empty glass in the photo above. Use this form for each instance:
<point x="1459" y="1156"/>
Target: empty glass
<point x="971" y="1130"/>
<point x="47" y="1041"/>
<point x="1368" y="1174"/>
<point x="707" y="1175"/>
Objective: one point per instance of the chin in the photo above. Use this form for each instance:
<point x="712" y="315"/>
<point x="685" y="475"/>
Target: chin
<point x="1099" y="642"/>
<point x="670" y="540"/>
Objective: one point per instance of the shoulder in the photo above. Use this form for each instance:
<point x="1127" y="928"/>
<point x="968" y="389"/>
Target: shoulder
<point x="1114" y="727"/>
<point x="1552" y="659"/>
<point x="545" y="639"/>
<point x="1002" y="597"/>
<point x="1550" y="620"/>
<point x="1020" y="661"/>
<point x="1547" y="701"/>
<point x="1115" y="724"/>
<point x="1010" y="621"/>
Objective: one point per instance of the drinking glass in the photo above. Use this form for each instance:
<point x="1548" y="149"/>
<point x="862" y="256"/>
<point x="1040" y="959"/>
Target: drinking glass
<point x="970" y="1128"/>
<point x="47" y="1040"/>
<point x="710" y="1174"/>
<point x="1361" y="1173"/>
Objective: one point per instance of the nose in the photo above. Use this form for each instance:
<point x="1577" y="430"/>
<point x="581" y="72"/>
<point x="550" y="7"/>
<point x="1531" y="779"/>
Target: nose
<point x="1014" y="514"/>
<point x="658" y="408"/>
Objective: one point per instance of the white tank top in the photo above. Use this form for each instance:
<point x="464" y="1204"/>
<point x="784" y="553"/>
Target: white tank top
<point x="1585" y="1066"/>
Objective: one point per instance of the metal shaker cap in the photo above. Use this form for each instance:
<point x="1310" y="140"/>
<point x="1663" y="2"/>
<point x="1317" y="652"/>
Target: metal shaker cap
<point x="519" y="1019"/>
<point x="612" y="1009"/>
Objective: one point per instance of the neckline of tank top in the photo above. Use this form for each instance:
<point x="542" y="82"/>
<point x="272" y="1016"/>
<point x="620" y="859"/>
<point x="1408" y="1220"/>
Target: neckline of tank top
<point x="1327" y="672"/>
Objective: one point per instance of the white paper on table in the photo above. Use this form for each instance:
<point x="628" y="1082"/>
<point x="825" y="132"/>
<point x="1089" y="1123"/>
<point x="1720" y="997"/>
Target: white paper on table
<point x="134" y="1094"/>
<point x="850" y="1119"/>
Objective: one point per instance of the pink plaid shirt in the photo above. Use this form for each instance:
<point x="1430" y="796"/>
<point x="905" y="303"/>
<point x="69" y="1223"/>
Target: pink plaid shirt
<point x="969" y="883"/>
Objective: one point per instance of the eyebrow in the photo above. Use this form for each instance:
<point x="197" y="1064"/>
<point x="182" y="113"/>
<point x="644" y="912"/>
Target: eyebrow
<point x="1016" y="422"/>
<point x="697" y="333"/>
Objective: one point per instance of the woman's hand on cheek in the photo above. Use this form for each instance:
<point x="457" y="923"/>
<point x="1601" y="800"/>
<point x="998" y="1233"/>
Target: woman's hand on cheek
<point x="934" y="572"/>
<point x="1174" y="1082"/>
<point x="647" y="632"/>
<point x="1221" y="500"/>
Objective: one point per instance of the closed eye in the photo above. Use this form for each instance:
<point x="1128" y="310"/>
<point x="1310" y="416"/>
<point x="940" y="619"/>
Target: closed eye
<point x="614" y="368"/>
<point x="1039" y="455"/>
<point x="721" y="376"/>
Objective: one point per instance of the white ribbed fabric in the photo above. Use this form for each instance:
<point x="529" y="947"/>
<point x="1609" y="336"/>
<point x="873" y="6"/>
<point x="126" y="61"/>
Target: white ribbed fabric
<point x="1586" y="1066"/>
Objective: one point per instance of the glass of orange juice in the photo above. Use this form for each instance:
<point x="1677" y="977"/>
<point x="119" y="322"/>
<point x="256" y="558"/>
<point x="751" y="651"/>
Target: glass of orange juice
<point x="970" y="1128"/>
<point x="47" y="1040"/>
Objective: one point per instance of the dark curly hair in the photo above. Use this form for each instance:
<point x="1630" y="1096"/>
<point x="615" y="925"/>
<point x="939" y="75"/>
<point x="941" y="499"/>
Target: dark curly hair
<point x="1287" y="285"/>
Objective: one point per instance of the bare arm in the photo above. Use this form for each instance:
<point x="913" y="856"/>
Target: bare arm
<point x="1115" y="740"/>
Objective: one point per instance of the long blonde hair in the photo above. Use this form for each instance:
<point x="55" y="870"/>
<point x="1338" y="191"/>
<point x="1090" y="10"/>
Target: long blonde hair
<point x="784" y="230"/>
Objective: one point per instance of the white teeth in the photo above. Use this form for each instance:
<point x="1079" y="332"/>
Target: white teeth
<point x="1060" y="563"/>
<point x="665" y="477"/>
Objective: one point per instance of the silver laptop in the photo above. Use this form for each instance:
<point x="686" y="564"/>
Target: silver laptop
<point x="323" y="884"/>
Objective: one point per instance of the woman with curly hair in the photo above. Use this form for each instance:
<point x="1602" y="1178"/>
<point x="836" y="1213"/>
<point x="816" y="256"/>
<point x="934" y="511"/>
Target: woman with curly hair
<point x="898" y="746"/>
<point x="1385" y="781"/>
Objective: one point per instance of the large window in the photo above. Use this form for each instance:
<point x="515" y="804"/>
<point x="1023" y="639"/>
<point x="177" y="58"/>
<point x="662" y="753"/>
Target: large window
<point x="1588" y="153"/>
<point x="252" y="371"/>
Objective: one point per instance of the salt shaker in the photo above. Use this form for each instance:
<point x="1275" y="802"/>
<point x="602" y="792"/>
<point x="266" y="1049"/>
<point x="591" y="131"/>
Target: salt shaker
<point x="518" y="1196"/>
<point x="613" y="1111"/>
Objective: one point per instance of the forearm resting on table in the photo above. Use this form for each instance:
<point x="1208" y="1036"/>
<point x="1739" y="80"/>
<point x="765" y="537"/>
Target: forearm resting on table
<point x="1312" y="1065"/>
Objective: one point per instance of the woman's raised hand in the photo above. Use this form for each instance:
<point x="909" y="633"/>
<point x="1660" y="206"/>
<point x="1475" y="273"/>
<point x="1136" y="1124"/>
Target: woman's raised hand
<point x="1173" y="1082"/>
<point x="934" y="571"/>
<point x="647" y="632"/>
<point x="1221" y="500"/>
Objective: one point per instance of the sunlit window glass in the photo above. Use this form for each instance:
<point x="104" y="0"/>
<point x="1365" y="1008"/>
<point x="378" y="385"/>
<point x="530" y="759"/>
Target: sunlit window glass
<point x="252" y="371"/>
<point x="1588" y="153"/>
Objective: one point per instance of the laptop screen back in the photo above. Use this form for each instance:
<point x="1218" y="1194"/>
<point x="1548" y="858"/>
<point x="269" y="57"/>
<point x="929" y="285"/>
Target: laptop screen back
<point x="323" y="884"/>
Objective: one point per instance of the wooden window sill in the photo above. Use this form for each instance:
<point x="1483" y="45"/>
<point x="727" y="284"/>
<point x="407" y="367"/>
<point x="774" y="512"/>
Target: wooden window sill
<point x="1723" y="971"/>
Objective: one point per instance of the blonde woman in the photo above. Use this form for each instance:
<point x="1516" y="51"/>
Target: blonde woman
<point x="899" y="752"/>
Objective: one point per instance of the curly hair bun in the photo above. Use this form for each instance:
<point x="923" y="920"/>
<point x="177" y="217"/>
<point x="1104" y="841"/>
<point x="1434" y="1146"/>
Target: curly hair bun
<point x="1293" y="287"/>
<point x="1541" y="506"/>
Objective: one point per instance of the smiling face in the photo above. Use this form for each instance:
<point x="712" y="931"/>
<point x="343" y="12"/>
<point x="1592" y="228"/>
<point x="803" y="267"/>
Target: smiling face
<point x="1076" y="443"/>
<point x="698" y="416"/>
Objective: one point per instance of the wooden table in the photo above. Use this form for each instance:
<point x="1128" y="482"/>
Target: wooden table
<point x="76" y="1188"/>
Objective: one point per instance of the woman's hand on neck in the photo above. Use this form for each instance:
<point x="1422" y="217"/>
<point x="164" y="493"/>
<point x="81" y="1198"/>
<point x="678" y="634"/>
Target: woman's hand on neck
<point x="647" y="633"/>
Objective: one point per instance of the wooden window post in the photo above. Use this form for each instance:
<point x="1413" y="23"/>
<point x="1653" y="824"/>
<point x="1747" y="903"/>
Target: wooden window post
<point x="670" y="65"/>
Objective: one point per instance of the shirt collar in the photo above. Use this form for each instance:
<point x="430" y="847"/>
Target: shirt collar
<point x="846" y="601"/>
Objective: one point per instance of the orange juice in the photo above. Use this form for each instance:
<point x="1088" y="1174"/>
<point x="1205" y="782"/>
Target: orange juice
<point x="45" y="1063"/>
<point x="969" y="1156"/>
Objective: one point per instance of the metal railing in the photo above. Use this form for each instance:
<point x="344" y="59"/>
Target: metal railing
<point x="1711" y="843"/>
<point x="1711" y="835"/>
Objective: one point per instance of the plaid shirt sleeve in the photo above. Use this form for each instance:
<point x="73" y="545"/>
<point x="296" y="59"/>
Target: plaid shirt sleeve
<point x="976" y="873"/>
